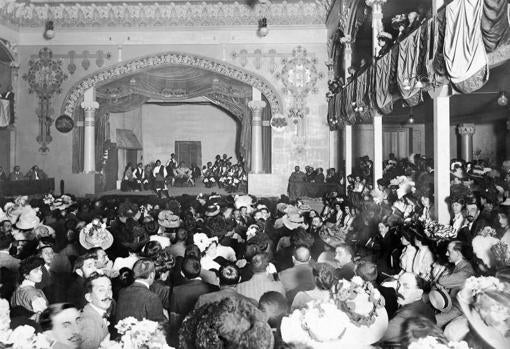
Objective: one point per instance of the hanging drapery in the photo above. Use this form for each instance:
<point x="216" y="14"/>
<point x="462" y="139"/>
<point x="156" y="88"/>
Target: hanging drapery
<point x="266" y="137"/>
<point x="495" y="27"/>
<point x="340" y="110"/>
<point x="383" y="96"/>
<point x="464" y="50"/>
<point x="361" y="95"/>
<point x="332" y="120"/>
<point x="440" y="27"/>
<point x="407" y="68"/>
<point x="350" y="102"/>
<point x="78" y="140"/>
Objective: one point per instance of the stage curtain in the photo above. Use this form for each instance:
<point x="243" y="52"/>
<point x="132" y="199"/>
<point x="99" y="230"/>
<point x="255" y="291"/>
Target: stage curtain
<point x="383" y="96"/>
<point x="464" y="49"/>
<point x="78" y="140"/>
<point x="407" y="69"/>
<point x="495" y="25"/>
<point x="266" y="136"/>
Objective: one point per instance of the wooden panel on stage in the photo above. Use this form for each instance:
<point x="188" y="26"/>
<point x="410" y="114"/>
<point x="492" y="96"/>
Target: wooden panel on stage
<point x="13" y="188"/>
<point x="190" y="152"/>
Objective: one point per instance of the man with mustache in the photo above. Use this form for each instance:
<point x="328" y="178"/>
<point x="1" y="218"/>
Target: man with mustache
<point x="60" y="324"/>
<point x="475" y="221"/>
<point x="94" y="316"/>
<point x="410" y="305"/>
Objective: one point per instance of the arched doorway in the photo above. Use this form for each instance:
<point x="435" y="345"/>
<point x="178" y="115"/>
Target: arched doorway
<point x="171" y="77"/>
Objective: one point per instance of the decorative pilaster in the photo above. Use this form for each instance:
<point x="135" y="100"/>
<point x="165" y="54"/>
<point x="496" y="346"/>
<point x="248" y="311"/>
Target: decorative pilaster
<point x="256" y="108"/>
<point x="466" y="132"/>
<point x="377" y="24"/>
<point x="89" y="105"/>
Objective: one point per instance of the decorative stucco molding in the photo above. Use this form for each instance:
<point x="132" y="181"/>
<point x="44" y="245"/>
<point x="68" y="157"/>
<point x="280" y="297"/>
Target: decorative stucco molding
<point x="74" y="96"/>
<point x="188" y="14"/>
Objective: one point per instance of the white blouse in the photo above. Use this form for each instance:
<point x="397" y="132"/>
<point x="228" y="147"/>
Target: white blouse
<point x="407" y="258"/>
<point x="422" y="264"/>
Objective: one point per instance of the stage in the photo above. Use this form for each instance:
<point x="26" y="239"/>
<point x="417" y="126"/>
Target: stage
<point x="172" y="192"/>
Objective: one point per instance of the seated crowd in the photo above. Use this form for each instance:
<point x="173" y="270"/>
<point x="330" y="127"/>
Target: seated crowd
<point x="156" y="176"/>
<point x="373" y="268"/>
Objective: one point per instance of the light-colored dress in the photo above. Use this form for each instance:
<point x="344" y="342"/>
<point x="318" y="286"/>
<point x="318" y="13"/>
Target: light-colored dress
<point x="304" y="297"/>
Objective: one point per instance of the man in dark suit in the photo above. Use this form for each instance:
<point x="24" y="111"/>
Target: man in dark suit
<point x="476" y="222"/>
<point x="411" y="305"/>
<point x="94" y="316"/>
<point x="229" y="278"/>
<point x="186" y="294"/>
<point x="300" y="276"/>
<point x="35" y="174"/>
<point x="137" y="300"/>
<point x="84" y="267"/>
<point x="16" y="175"/>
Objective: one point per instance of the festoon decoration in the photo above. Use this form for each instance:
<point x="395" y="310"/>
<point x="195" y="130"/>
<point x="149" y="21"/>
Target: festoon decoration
<point x="299" y="77"/>
<point x="45" y="76"/>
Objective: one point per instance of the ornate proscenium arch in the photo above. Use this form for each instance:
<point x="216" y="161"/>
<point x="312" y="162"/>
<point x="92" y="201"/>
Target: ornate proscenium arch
<point x="73" y="97"/>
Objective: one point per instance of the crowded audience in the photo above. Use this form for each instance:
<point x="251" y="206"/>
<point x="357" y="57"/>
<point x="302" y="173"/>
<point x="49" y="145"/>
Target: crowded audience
<point x="371" y="268"/>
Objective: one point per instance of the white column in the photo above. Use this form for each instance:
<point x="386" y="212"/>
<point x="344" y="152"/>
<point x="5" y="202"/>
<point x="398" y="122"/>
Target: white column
<point x="256" y="135"/>
<point x="442" y="155"/>
<point x="466" y="132"/>
<point x="89" y="105"/>
<point x="347" y="128"/>
<point x="377" y="24"/>
<point x="333" y="149"/>
<point x="377" y="27"/>
<point x="348" y="149"/>
<point x="378" y="148"/>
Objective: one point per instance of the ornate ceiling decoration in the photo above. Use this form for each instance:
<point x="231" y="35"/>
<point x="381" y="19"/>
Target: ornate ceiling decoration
<point x="158" y="14"/>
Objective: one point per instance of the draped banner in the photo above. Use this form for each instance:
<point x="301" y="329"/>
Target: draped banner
<point x="440" y="29"/>
<point x="464" y="49"/>
<point x="407" y="68"/>
<point x="495" y="25"/>
<point x="383" y="98"/>
<point x="349" y="100"/>
<point x="361" y="94"/>
<point x="332" y="119"/>
<point x="5" y="112"/>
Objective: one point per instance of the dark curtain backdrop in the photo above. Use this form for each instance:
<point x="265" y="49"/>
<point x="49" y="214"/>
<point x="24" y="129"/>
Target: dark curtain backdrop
<point x="266" y="136"/>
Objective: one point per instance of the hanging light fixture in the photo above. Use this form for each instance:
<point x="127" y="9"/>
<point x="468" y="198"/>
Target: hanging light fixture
<point x="411" y="117"/>
<point x="502" y="99"/>
<point x="49" y="31"/>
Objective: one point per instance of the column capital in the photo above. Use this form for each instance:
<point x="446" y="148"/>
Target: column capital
<point x="256" y="106"/>
<point x="90" y="105"/>
<point x="466" y="129"/>
<point x="375" y="3"/>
